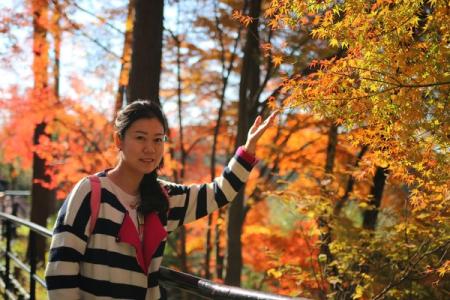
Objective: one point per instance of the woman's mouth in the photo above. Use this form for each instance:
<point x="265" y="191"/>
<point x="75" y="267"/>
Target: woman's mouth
<point x="147" y="160"/>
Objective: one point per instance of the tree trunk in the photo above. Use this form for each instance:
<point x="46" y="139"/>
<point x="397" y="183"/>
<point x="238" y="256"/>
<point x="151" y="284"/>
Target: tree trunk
<point x="57" y="36"/>
<point x="351" y="182"/>
<point x="323" y="222"/>
<point x="147" y="51"/>
<point x="370" y="215"/>
<point x="42" y="198"/>
<point x="325" y="235"/>
<point x="126" y="58"/>
<point x="225" y="76"/>
<point x="220" y="257"/>
<point x="331" y="149"/>
<point x="248" y="105"/>
<point x="182" y="229"/>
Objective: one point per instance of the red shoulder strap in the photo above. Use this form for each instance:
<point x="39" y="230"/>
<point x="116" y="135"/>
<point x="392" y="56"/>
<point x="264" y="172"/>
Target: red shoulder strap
<point x="95" y="200"/>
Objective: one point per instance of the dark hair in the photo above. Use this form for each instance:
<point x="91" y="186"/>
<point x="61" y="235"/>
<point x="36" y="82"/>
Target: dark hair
<point x="153" y="198"/>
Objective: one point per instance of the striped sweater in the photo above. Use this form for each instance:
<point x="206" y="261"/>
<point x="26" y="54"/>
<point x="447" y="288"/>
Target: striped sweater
<point x="112" y="262"/>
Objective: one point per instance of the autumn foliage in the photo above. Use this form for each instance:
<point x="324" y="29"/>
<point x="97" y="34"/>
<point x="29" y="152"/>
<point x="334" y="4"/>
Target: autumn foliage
<point x="70" y="147"/>
<point x="387" y="89"/>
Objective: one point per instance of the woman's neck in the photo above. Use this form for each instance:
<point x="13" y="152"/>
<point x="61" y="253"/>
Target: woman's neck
<point x="127" y="180"/>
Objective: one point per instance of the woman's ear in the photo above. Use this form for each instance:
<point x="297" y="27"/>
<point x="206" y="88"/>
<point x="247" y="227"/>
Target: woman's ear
<point x="117" y="140"/>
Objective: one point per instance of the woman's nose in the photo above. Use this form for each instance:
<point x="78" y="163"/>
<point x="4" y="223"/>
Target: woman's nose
<point x="149" y="148"/>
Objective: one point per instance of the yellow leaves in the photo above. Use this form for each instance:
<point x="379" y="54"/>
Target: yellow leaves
<point x="277" y="60"/>
<point x="256" y="229"/>
<point x="323" y="258"/>
<point x="327" y="20"/>
<point x="274" y="273"/>
<point x="444" y="269"/>
<point x="363" y="205"/>
<point x="383" y="163"/>
<point x="414" y="21"/>
<point x="273" y="23"/>
<point x="359" y="291"/>
<point x="334" y="42"/>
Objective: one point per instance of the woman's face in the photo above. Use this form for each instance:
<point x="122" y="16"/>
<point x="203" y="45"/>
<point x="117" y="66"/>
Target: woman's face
<point x="142" y="146"/>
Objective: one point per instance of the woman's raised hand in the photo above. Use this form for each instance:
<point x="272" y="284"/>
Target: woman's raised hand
<point x="257" y="130"/>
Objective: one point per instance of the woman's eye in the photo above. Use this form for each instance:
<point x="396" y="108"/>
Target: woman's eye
<point x="158" y="140"/>
<point x="140" y="137"/>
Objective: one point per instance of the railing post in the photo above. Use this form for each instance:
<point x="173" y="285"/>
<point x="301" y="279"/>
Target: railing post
<point x="7" y="259"/>
<point x="32" y="265"/>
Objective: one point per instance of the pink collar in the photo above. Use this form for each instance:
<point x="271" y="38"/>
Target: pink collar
<point x="154" y="233"/>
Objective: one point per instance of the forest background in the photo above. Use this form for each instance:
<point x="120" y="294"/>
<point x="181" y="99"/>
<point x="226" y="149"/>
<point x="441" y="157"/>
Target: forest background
<point x="351" y="197"/>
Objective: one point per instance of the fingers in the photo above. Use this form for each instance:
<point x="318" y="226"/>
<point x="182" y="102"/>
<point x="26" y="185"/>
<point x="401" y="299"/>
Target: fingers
<point x="273" y="115"/>
<point x="269" y="120"/>
<point x="261" y="127"/>
<point x="257" y="122"/>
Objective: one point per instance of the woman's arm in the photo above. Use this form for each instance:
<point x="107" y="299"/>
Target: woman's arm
<point x="68" y="244"/>
<point x="189" y="203"/>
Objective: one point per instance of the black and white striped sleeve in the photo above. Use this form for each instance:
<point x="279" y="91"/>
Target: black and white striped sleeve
<point x="189" y="203"/>
<point x="70" y="235"/>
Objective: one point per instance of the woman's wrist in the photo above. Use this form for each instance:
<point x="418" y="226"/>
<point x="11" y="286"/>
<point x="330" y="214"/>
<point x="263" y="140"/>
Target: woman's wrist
<point x="249" y="148"/>
<point x="246" y="156"/>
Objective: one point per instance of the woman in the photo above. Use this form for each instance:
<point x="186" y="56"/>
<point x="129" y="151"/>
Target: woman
<point x="121" y="256"/>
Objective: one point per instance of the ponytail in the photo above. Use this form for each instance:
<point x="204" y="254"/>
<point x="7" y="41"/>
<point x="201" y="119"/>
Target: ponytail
<point x="153" y="199"/>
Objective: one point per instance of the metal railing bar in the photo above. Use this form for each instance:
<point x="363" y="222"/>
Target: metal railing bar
<point x="40" y="280"/>
<point x="214" y="290"/>
<point x="26" y="268"/>
<point x="35" y="227"/>
<point x="16" y="286"/>
<point x="7" y="259"/>
<point x="16" y="193"/>
<point x="173" y="285"/>
<point x="18" y="262"/>
<point x="191" y="284"/>
<point x="10" y="295"/>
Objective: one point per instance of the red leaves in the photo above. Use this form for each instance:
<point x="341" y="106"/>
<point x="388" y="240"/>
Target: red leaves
<point x="77" y="139"/>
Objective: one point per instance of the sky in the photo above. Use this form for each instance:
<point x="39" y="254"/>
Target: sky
<point x="88" y="73"/>
<point x="84" y="65"/>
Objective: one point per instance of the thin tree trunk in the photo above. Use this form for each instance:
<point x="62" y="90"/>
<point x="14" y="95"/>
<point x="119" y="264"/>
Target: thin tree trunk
<point x="248" y="88"/>
<point x="57" y="36"/>
<point x="226" y="71"/>
<point x="182" y="229"/>
<point x="209" y="247"/>
<point x="220" y="257"/>
<point x="351" y="182"/>
<point x="147" y="51"/>
<point x="325" y="236"/>
<point x="126" y="58"/>
<point x="371" y="214"/>
<point x="41" y="197"/>
<point x="331" y="149"/>
<point x="323" y="221"/>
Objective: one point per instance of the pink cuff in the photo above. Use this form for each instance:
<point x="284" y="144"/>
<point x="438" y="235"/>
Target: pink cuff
<point x="248" y="157"/>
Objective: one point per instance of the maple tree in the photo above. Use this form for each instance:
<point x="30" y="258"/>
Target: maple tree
<point x="388" y="91"/>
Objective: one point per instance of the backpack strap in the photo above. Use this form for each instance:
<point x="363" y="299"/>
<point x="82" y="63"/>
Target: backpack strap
<point x="95" y="200"/>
